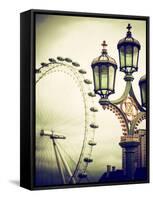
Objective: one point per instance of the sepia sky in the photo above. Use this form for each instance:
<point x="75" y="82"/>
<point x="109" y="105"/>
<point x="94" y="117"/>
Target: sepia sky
<point x="59" y="100"/>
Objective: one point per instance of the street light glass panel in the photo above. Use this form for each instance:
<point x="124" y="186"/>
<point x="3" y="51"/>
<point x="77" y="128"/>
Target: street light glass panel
<point x="122" y="59"/>
<point x="143" y="88"/>
<point x="135" y="56"/>
<point x="111" y="77"/>
<point x="142" y="84"/>
<point x="128" y="57"/>
<point x="104" y="77"/>
<point x="96" y="78"/>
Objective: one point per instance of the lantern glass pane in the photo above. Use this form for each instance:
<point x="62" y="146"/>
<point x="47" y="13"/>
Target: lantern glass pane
<point x="104" y="75"/>
<point x="122" y="60"/>
<point x="96" y="77"/>
<point x="135" y="56"/>
<point x="143" y="92"/>
<point x="111" y="77"/>
<point x="104" y="92"/>
<point x="128" y="57"/>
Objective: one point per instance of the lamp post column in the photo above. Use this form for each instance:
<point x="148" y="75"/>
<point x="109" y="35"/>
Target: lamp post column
<point x="104" y="72"/>
<point x="130" y="143"/>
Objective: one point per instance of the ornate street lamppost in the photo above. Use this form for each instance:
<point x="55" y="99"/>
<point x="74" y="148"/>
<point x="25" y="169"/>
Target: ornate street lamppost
<point x="126" y="108"/>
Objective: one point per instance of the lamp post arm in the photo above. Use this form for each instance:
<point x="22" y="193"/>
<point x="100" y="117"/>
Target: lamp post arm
<point x="122" y="115"/>
<point x="131" y="92"/>
<point x="124" y="95"/>
<point x="140" y="116"/>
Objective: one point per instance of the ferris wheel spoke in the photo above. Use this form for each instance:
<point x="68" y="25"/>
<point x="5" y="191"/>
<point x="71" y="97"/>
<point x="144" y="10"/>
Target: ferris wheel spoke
<point x="58" y="162"/>
<point x="66" y="165"/>
<point x="74" y="163"/>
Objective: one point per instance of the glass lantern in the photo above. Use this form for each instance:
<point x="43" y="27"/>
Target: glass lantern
<point x="128" y="48"/>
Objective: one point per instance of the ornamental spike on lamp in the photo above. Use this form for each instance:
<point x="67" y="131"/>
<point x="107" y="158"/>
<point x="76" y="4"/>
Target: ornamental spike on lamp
<point x="128" y="48"/>
<point x="104" y="73"/>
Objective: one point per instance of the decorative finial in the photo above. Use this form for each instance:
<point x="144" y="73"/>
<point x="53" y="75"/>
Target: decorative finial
<point x="129" y="27"/>
<point x="129" y="34"/>
<point x="104" y="45"/>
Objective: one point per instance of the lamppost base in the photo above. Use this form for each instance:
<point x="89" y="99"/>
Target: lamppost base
<point x="130" y="144"/>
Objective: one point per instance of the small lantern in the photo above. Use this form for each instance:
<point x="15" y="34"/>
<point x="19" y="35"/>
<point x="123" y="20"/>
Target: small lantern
<point x="104" y="72"/>
<point x="128" y="48"/>
<point x="142" y="84"/>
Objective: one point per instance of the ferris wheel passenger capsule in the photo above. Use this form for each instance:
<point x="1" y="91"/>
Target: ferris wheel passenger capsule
<point x="44" y="64"/>
<point x="87" y="81"/>
<point x="123" y="125"/>
<point x="52" y="60"/>
<point x="88" y="160"/>
<point x="68" y="60"/>
<point x="82" y="71"/>
<point x="75" y="64"/>
<point x="37" y="71"/>
<point x="82" y="175"/>
<point x="93" y="109"/>
<point x="92" y="143"/>
<point x="94" y="125"/>
<point x="92" y="94"/>
<point x="60" y="58"/>
<point x="42" y="132"/>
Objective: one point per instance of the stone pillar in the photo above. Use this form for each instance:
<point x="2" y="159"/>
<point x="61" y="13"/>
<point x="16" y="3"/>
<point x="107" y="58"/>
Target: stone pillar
<point x="142" y="148"/>
<point x="113" y="168"/>
<point x="130" y="144"/>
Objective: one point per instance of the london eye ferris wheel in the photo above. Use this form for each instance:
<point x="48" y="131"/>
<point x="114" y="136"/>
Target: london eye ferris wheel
<point x="64" y="135"/>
